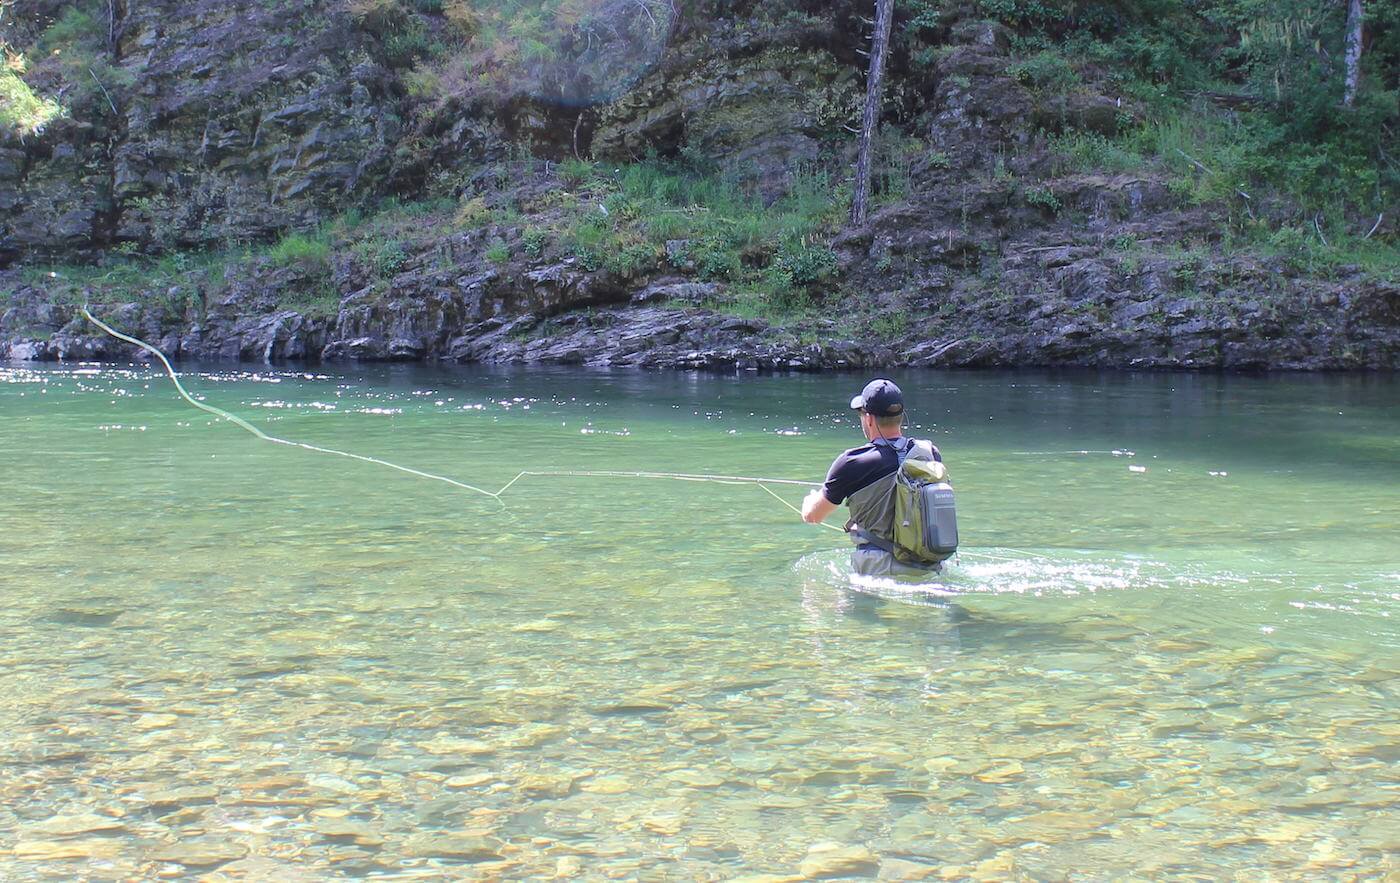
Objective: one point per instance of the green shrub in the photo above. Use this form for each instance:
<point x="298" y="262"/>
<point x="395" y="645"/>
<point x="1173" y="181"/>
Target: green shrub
<point x="533" y="241"/>
<point x="731" y="234"/>
<point x="21" y="111"/>
<point x="383" y="258"/>
<point x="1090" y="151"/>
<point x="1044" y="197"/>
<point x="1029" y="15"/>
<point x="631" y="259"/>
<point x="717" y="260"/>
<point x="408" y="42"/>
<point x="588" y="239"/>
<point x="316" y="302"/>
<point x="78" y="23"/>
<point x="807" y="264"/>
<point x="573" y="172"/>
<point x="498" y="253"/>
<point x="668" y="224"/>
<point x="891" y="324"/>
<point x="301" y="248"/>
<point x="1046" y="71"/>
<point x="473" y="213"/>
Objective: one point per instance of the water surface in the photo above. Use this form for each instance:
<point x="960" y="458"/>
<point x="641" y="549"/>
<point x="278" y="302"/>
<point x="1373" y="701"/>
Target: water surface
<point x="226" y="655"/>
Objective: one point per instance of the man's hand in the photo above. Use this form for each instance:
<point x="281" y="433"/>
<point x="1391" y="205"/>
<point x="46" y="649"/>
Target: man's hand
<point x="816" y="507"/>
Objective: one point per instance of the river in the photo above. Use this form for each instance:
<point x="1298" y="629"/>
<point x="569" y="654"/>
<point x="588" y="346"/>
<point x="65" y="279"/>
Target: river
<point x="1170" y="647"/>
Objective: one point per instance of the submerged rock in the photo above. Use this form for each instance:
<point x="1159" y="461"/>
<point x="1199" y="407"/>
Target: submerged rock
<point x="50" y="850"/>
<point x="81" y="823"/>
<point x="459" y="846"/>
<point x="155" y="721"/>
<point x="199" y="853"/>
<point x="358" y="832"/>
<point x="170" y="798"/>
<point x="89" y="617"/>
<point x="828" y="860"/>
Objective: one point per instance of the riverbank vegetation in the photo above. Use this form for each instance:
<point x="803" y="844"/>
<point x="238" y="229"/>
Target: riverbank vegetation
<point x="1248" y="94"/>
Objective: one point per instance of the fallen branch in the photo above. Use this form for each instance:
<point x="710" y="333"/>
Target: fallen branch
<point x="1374" y="227"/>
<point x="1318" y="228"/>
<point x="1231" y="100"/>
<point x="110" y="103"/>
<point x="1195" y="162"/>
<point x="1202" y="166"/>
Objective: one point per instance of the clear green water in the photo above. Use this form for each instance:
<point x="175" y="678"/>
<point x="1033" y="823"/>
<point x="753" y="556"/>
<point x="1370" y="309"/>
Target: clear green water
<point x="224" y="655"/>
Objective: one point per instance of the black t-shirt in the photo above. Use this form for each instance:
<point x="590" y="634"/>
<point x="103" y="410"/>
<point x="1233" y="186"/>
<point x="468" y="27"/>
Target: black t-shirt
<point x="861" y="466"/>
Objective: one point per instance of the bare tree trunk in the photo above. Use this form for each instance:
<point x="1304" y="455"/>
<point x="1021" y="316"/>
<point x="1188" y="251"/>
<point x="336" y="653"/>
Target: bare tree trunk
<point x="1354" y="19"/>
<point x="874" y="90"/>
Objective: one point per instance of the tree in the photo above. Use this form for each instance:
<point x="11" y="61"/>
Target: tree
<point x="1354" y="19"/>
<point x="874" y="90"/>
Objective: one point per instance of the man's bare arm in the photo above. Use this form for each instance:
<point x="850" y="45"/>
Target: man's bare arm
<point x="816" y="507"/>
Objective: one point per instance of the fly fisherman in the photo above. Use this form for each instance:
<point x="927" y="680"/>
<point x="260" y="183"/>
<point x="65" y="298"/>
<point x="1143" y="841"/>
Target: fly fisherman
<point x="865" y="479"/>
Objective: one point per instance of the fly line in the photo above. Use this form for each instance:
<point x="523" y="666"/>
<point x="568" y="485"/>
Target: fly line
<point x="761" y="482"/>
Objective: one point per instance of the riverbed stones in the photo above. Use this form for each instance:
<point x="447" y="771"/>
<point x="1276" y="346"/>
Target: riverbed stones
<point x="1052" y="826"/>
<point x="1380" y="834"/>
<point x="332" y="783"/>
<point x="1001" y="773"/>
<point x="697" y="778"/>
<point x="446" y="745"/>
<point x="465" y="847"/>
<point x="567" y="866"/>
<point x="263" y="869"/>
<point x="79" y="823"/>
<point x="199" y="853"/>
<point x="606" y="785"/>
<point x="547" y="784"/>
<point x="903" y="869"/>
<point x="81" y="848"/>
<point x="165" y="799"/>
<point x="755" y="762"/>
<point x="664" y="823"/>
<point x="360" y="833"/>
<point x="829" y="859"/>
<point x="155" y="721"/>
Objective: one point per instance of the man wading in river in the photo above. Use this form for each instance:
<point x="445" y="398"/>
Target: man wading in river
<point x="865" y="479"/>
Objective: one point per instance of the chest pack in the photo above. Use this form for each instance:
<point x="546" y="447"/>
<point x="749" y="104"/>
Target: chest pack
<point x="925" y="519"/>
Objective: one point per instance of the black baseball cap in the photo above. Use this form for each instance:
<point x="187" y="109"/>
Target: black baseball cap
<point x="880" y="398"/>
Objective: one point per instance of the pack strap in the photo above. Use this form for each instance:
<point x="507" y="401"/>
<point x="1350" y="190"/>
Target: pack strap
<point x="901" y="453"/>
<point x="865" y="537"/>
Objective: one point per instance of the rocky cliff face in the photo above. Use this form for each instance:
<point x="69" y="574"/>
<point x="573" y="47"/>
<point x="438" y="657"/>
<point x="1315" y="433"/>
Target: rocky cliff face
<point x="1073" y="302"/>
<point x="237" y="121"/>
<point x="232" y="121"/>
<point x="224" y="121"/>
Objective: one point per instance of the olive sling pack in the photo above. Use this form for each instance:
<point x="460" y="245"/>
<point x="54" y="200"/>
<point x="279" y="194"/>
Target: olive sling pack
<point x="925" y="519"/>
